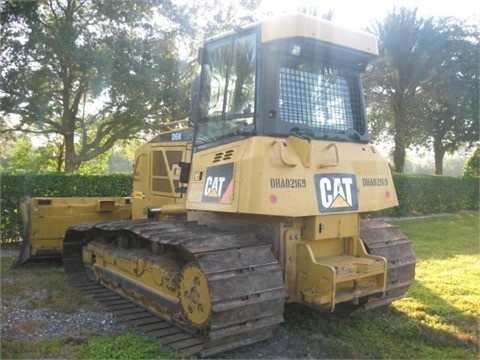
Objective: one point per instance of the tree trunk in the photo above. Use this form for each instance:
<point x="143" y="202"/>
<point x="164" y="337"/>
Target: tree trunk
<point x="439" y="153"/>
<point x="399" y="155"/>
<point x="69" y="152"/>
<point x="400" y="143"/>
<point x="60" y="156"/>
<point x="71" y="160"/>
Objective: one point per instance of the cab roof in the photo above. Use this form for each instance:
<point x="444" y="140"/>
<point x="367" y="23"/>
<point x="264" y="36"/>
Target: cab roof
<point x="309" y="27"/>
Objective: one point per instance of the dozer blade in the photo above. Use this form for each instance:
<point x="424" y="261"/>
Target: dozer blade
<point x="45" y="221"/>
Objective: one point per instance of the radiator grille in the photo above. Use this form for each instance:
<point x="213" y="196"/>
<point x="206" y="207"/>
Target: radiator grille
<point x="223" y="156"/>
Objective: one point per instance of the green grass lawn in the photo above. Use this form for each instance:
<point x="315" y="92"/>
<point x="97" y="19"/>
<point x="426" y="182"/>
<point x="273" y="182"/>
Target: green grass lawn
<point x="445" y="301"/>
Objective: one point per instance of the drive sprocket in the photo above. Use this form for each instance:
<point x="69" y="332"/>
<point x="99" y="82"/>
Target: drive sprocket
<point x="194" y="296"/>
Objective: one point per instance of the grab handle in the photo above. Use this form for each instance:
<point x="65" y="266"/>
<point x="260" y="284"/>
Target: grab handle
<point x="337" y="159"/>
<point x="282" y="155"/>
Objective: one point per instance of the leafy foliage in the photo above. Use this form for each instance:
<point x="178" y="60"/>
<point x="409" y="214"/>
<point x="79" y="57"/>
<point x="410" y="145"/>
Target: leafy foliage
<point x="210" y="18"/>
<point x="449" y="107"/>
<point x="90" y="72"/>
<point x="23" y="156"/>
<point x="425" y="86"/>
<point x="402" y="66"/>
<point x="472" y="167"/>
<point x="85" y="74"/>
<point x="430" y="194"/>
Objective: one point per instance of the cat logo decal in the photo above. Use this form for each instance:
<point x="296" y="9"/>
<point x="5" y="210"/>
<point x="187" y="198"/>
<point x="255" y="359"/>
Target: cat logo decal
<point x="336" y="192"/>
<point x="218" y="186"/>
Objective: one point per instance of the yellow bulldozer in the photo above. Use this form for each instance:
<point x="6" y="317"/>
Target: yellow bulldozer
<point x="262" y="200"/>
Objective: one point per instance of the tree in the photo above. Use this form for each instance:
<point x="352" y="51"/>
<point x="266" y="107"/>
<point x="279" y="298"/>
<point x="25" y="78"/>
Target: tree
<point x="407" y="56"/>
<point x="212" y="17"/>
<point x="472" y="166"/>
<point x="87" y="73"/>
<point x="24" y="156"/>
<point x="90" y="72"/>
<point x="450" y="106"/>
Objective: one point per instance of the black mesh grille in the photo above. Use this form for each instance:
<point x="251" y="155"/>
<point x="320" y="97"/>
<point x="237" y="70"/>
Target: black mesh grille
<point x="326" y="100"/>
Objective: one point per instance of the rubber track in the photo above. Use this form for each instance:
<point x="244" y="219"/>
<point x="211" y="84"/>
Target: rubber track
<point x="383" y="239"/>
<point x="244" y="279"/>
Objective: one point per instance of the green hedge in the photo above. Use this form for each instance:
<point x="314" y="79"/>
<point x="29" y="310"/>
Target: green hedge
<point x="417" y="194"/>
<point x="431" y="194"/>
<point x="15" y="187"/>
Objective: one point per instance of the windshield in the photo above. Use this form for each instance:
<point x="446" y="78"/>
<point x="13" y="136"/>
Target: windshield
<point x="227" y="94"/>
<point x="321" y="98"/>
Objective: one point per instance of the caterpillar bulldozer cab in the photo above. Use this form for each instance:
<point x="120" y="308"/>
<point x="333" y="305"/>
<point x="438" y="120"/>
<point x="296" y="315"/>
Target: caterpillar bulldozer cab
<point x="281" y="143"/>
<point x="262" y="200"/>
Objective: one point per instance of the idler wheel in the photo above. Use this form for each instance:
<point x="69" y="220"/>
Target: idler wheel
<point x="194" y="296"/>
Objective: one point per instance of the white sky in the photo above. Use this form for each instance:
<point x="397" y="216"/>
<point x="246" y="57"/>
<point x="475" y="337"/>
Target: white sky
<point x="358" y="14"/>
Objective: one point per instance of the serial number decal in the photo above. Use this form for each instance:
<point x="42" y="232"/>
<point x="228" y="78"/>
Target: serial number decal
<point x="283" y="183"/>
<point x="375" y="182"/>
